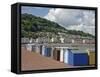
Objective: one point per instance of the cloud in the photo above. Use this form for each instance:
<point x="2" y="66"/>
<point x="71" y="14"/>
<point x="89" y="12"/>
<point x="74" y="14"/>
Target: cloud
<point x="84" y="28"/>
<point x="83" y="20"/>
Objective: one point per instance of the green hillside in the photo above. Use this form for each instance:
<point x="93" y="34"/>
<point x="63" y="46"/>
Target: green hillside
<point x="32" y="26"/>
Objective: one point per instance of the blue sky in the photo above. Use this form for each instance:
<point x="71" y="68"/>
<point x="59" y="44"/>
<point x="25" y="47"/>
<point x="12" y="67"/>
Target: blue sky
<point x="37" y="11"/>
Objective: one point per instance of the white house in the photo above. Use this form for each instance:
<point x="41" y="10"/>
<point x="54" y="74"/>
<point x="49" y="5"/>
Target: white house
<point x="62" y="40"/>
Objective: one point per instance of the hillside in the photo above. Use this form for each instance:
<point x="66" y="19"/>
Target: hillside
<point x="33" y="26"/>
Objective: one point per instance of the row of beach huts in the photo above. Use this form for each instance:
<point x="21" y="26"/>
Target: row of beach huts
<point x="71" y="56"/>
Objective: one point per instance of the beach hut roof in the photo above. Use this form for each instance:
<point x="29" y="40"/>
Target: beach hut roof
<point x="78" y="51"/>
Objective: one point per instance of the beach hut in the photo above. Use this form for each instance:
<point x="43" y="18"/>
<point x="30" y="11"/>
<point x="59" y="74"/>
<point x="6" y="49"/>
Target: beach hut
<point x="56" y="54"/>
<point x="77" y="58"/>
<point x="52" y="49"/>
<point x="65" y="56"/>
<point x="91" y="53"/>
<point x="61" y="54"/>
<point x="37" y="49"/>
<point x="42" y="48"/>
<point x="30" y="47"/>
<point x="47" y="51"/>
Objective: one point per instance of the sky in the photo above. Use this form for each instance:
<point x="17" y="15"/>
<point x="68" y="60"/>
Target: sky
<point x="37" y="11"/>
<point x="73" y="19"/>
